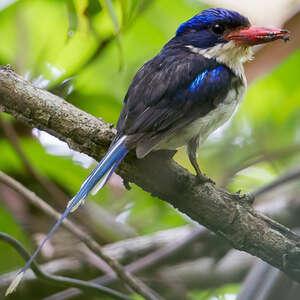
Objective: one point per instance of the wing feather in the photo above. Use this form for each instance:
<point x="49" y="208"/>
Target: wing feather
<point x="169" y="92"/>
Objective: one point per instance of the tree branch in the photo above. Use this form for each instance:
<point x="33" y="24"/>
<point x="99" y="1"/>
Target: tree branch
<point x="133" y="282"/>
<point x="230" y="216"/>
<point x="251" y="160"/>
<point x="166" y="245"/>
<point x="287" y="212"/>
<point x="60" y="280"/>
<point x="11" y="135"/>
<point x="55" y="266"/>
<point x="201" y="273"/>
<point x="290" y="176"/>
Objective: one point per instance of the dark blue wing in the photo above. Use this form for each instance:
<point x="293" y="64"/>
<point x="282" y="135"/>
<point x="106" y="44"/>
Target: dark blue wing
<point x="170" y="91"/>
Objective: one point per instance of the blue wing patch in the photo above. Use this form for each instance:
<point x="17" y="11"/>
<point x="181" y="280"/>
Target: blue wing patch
<point x="206" y="86"/>
<point x="211" y="77"/>
<point x="198" y="81"/>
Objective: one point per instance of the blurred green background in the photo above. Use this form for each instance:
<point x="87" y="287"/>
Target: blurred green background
<point x="88" y="51"/>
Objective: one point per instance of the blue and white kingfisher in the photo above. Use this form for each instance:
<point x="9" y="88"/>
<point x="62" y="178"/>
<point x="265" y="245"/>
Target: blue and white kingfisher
<point x="180" y="96"/>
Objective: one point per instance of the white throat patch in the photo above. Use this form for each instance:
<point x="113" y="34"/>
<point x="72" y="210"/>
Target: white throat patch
<point x="229" y="54"/>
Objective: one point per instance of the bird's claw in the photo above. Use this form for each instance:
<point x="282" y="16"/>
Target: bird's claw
<point x="202" y="178"/>
<point x="126" y="184"/>
<point x="247" y="197"/>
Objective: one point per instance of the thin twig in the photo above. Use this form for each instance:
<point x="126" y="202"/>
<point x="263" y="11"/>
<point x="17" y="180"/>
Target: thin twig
<point x="138" y="286"/>
<point x="61" y="280"/>
<point x="160" y="255"/>
<point x="290" y="176"/>
<point x="103" y="43"/>
<point x="47" y="184"/>
<point x="64" y="265"/>
<point x="150" y="260"/>
<point x="54" y="191"/>
<point x="157" y="256"/>
<point x="256" y="159"/>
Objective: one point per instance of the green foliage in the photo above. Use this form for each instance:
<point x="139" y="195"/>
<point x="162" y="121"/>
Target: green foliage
<point x="50" y="47"/>
<point x="88" y="40"/>
<point x="216" y="294"/>
<point x="69" y="174"/>
<point x="10" y="226"/>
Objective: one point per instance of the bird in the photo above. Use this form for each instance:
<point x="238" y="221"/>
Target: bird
<point x="179" y="97"/>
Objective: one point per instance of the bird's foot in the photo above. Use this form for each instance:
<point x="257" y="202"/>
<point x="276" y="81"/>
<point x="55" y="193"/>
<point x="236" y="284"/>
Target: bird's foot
<point x="127" y="184"/>
<point x="247" y="197"/>
<point x="202" y="178"/>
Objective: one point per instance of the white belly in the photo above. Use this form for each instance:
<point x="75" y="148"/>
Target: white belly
<point x="204" y="126"/>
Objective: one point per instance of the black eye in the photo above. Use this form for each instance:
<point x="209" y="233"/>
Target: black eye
<point x="218" y="28"/>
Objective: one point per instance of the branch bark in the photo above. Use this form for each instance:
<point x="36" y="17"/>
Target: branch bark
<point x="230" y="216"/>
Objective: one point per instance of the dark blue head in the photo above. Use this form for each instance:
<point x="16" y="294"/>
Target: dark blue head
<point x="209" y="27"/>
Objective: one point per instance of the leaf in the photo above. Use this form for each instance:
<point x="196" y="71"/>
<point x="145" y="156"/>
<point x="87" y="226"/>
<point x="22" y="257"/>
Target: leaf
<point x="108" y="6"/>
<point x="72" y="17"/>
<point x="58" y="168"/>
<point x="124" y="10"/>
<point x="11" y="227"/>
<point x="80" y="7"/>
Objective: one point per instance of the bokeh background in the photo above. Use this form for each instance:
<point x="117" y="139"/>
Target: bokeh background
<point x="87" y="51"/>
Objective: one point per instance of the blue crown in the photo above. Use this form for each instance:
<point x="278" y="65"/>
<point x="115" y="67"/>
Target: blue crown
<point x="211" y="16"/>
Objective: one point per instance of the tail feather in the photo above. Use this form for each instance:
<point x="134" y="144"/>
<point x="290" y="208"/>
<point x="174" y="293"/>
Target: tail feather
<point x="108" y="174"/>
<point x="96" y="180"/>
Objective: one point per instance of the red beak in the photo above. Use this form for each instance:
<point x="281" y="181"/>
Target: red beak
<point x="257" y="35"/>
